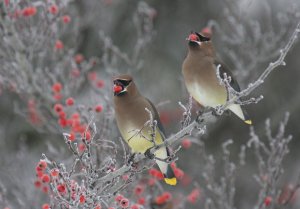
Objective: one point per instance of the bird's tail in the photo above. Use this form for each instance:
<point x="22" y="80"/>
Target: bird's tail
<point x="164" y="167"/>
<point x="241" y="113"/>
<point x="169" y="176"/>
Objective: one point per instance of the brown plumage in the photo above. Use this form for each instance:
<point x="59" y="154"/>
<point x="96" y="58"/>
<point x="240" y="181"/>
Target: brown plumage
<point x="131" y="117"/>
<point x="199" y="72"/>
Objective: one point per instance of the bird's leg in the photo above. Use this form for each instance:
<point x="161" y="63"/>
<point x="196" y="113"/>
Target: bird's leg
<point x="131" y="159"/>
<point x="217" y="111"/>
<point x="148" y="154"/>
<point x="227" y="113"/>
<point x="199" y="114"/>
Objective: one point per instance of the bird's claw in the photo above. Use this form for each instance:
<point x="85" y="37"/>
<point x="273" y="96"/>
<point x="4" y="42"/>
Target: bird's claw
<point x="216" y="111"/>
<point x="149" y="154"/>
<point x="227" y="113"/>
<point x="131" y="159"/>
<point x="199" y="114"/>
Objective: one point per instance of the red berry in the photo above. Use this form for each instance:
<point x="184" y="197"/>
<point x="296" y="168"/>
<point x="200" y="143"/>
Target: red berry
<point x="54" y="172"/>
<point x="72" y="137"/>
<point x="186" y="143"/>
<point x="82" y="199"/>
<point x="58" y="108"/>
<point x="42" y="165"/>
<point x="39" y="174"/>
<point x="29" y="11"/>
<point x="159" y="175"/>
<point x="86" y="135"/>
<point x="193" y="37"/>
<point x="61" y="188"/>
<point x="78" y="58"/>
<point x="138" y="190"/>
<point x="98" y="207"/>
<point x="125" y="177"/>
<point x="45" y="189"/>
<point x="167" y="195"/>
<point x="75" y="115"/>
<point x="118" y="198"/>
<point x="153" y="172"/>
<point x="6" y="2"/>
<point x="160" y="200"/>
<point x="135" y="206"/>
<point x="178" y="173"/>
<point x="98" y="108"/>
<point x="206" y="32"/>
<point x="117" y="89"/>
<point x="63" y="122"/>
<point x="53" y="9"/>
<point x="100" y="83"/>
<point x="46" y="206"/>
<point x="268" y="201"/>
<point x="66" y="19"/>
<point x="57" y="87"/>
<point x="37" y="184"/>
<point x="173" y="165"/>
<point x="141" y="201"/>
<point x="124" y="203"/>
<point x="59" y="45"/>
<point x="193" y="196"/>
<point x="70" y="101"/>
<point x="46" y="178"/>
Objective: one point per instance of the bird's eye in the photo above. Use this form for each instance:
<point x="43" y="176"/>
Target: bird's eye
<point x="124" y="82"/>
<point x="202" y="38"/>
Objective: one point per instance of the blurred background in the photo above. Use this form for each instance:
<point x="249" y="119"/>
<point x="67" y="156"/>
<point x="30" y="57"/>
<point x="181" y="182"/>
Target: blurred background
<point x="247" y="36"/>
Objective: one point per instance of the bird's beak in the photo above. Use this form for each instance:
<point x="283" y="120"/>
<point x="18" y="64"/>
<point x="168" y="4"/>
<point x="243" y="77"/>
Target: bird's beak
<point x="191" y="41"/>
<point x="117" y="89"/>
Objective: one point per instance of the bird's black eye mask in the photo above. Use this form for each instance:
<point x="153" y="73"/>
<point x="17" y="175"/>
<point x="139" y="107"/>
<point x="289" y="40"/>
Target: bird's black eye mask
<point x="121" y="82"/>
<point x="202" y="38"/>
<point x="120" y="86"/>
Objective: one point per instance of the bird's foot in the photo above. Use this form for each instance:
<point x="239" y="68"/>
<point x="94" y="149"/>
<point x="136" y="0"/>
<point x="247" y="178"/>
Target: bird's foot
<point x="217" y="111"/>
<point x="227" y="113"/>
<point x="131" y="159"/>
<point x="148" y="154"/>
<point x="200" y="112"/>
<point x="199" y="118"/>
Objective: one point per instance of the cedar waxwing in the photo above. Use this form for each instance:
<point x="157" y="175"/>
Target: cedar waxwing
<point x="131" y="117"/>
<point x="199" y="72"/>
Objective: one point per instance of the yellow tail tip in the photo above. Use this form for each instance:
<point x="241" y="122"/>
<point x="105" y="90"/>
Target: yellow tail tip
<point x="171" y="181"/>
<point x="249" y="122"/>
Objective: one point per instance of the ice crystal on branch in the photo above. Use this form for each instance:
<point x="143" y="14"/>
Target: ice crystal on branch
<point x="40" y="63"/>
<point x="247" y="43"/>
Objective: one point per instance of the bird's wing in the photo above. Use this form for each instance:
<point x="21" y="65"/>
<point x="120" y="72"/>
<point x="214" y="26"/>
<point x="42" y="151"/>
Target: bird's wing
<point x="224" y="69"/>
<point x="157" y="118"/>
<point x="164" y="167"/>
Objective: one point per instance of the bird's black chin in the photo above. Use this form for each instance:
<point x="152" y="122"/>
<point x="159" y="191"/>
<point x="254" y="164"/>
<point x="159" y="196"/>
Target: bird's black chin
<point x="193" y="44"/>
<point x="122" y="93"/>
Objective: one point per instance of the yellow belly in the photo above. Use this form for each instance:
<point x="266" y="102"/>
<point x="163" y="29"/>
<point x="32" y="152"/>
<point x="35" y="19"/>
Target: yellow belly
<point x="140" y="142"/>
<point x="207" y="96"/>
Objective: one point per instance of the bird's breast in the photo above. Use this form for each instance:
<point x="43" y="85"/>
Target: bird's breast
<point x="203" y="85"/>
<point x="131" y="123"/>
<point x="139" y="138"/>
